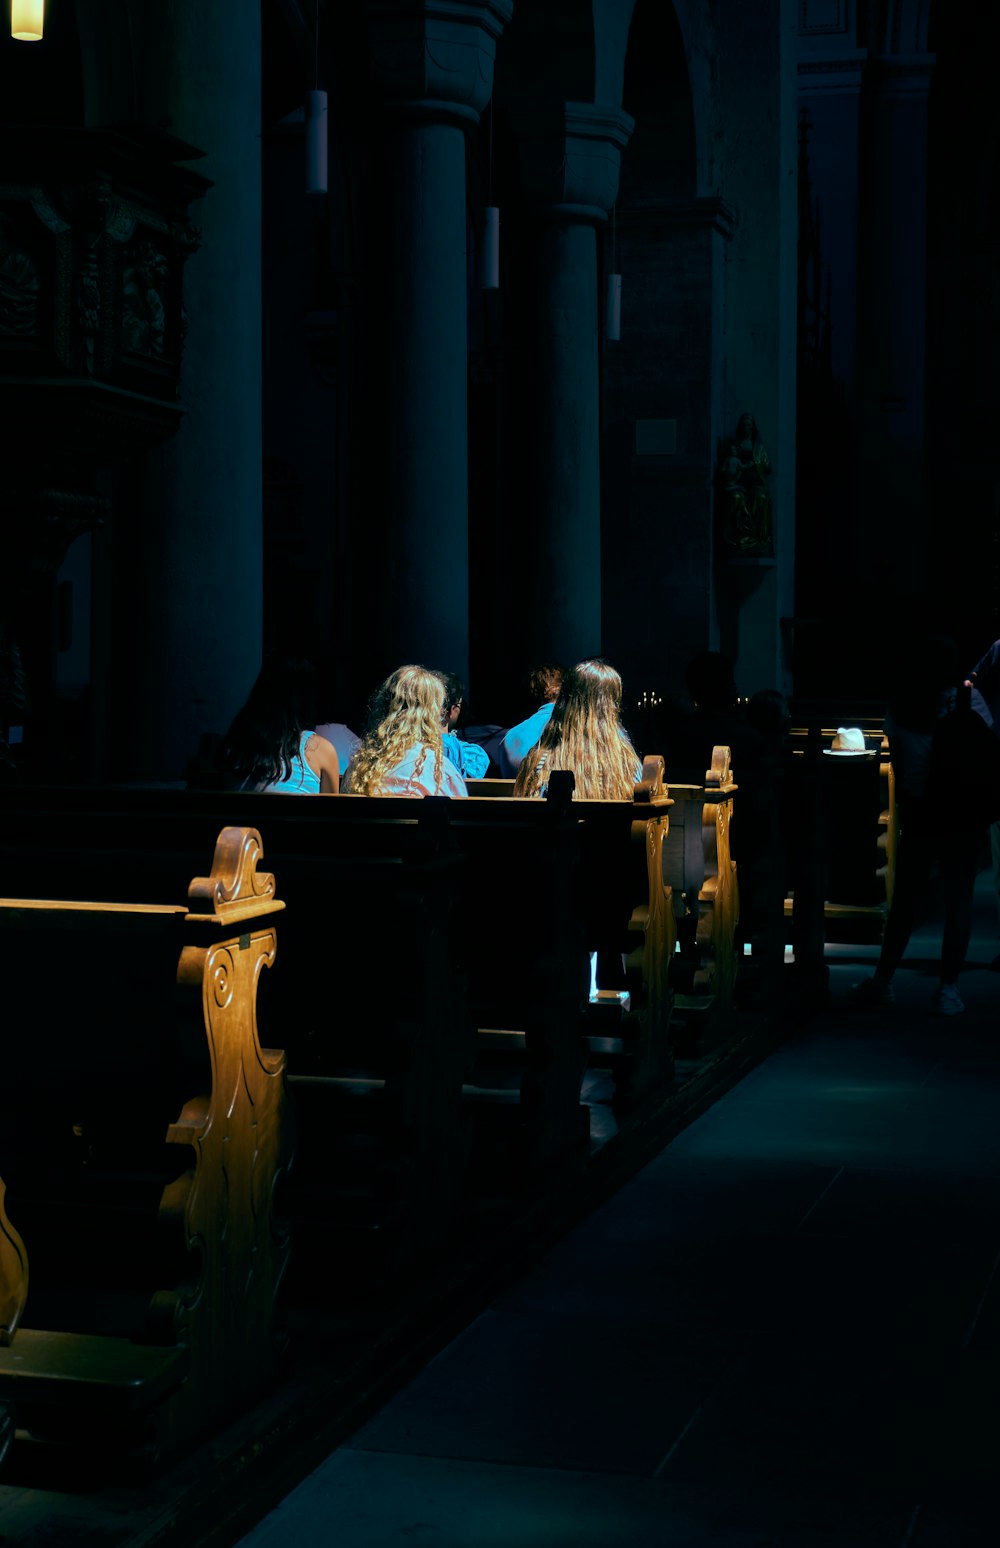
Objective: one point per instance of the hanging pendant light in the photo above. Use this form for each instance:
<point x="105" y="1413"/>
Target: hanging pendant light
<point x="27" y="20"/>
<point x="490" y="256"/>
<point x="613" y="293"/>
<point x="316" y="142"/>
<point x="491" y="249"/>
<point x="316" y="128"/>
<point x="613" y="309"/>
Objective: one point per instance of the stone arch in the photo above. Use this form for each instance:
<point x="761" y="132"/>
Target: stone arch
<point x="550" y="51"/>
<point x="662" y="159"/>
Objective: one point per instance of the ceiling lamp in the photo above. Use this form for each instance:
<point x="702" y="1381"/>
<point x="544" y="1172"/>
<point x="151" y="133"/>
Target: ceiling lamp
<point x="27" y="20"/>
<point x="316" y="127"/>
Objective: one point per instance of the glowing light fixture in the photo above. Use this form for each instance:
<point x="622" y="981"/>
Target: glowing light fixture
<point x="613" y="291"/>
<point x="316" y="129"/>
<point x="613" y="309"/>
<point x="491" y="249"/>
<point x="490" y="255"/>
<point x="316" y="142"/>
<point x="27" y="20"/>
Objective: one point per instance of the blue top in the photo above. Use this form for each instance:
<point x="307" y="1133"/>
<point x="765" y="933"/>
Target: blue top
<point x="469" y="758"/>
<point x="302" y="780"/>
<point x="520" y="739"/>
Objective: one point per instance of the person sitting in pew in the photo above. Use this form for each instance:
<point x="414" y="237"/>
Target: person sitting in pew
<point x="403" y="752"/>
<point x="544" y="683"/>
<point x="469" y="758"/>
<point x="585" y="734"/>
<point x="271" y="744"/>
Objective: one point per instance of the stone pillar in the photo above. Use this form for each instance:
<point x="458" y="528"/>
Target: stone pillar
<point x="433" y="66"/>
<point x="179" y="632"/>
<point x="662" y="425"/>
<point x="570" y="159"/>
<point x="892" y="327"/>
<point x="757" y="96"/>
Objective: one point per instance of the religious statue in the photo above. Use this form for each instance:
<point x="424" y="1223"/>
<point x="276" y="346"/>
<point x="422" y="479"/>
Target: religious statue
<point x="745" y="501"/>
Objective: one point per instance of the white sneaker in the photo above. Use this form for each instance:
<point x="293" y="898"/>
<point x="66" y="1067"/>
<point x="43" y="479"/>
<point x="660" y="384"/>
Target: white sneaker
<point x="948" y="1001"/>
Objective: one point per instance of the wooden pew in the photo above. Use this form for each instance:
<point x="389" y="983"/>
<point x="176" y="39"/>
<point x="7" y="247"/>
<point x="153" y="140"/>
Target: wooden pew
<point x="627" y="911"/>
<point x="142" y="1134"/>
<point x="843" y="840"/>
<point x="703" y="879"/>
<point x="368" y="1006"/>
<point x="389" y="1059"/>
<point x="698" y="875"/>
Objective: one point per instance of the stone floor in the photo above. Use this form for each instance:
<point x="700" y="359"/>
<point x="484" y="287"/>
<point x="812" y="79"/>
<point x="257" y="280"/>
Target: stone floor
<point x="783" y="1333"/>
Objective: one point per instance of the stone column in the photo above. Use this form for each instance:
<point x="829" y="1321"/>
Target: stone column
<point x="892" y="326"/>
<point x="570" y="159"/>
<point x="433" y="66"/>
<point x="662" y="413"/>
<point x="180" y="626"/>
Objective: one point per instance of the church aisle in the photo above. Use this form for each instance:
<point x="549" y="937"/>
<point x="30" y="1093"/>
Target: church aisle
<point x="784" y="1332"/>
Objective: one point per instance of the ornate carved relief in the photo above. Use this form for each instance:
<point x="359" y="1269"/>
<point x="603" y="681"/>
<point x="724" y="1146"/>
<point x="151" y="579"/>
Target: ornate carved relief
<point x="91" y="265"/>
<point x="654" y="930"/>
<point x="19" y="282"/>
<point x="238" y="1132"/>
<point x="144" y="283"/>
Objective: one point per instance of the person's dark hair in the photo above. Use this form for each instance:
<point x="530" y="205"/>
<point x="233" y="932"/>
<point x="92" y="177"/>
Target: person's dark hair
<point x="454" y="690"/>
<point x="710" y="681"/>
<point x="544" y="682"/>
<point x="266" y="733"/>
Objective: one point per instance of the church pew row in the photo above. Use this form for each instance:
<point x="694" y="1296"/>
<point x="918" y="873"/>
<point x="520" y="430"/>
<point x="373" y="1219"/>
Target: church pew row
<point x="142" y="1134"/>
<point x="520" y="934"/>
<point x="366" y="1002"/>
<point x="627" y="916"/>
<point x="692" y="878"/>
<point x="433" y="973"/>
<point x="850" y="856"/>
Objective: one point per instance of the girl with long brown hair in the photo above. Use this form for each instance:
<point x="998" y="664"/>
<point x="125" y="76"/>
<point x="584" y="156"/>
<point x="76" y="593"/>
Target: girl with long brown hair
<point x="402" y="753"/>
<point x="584" y="734"/>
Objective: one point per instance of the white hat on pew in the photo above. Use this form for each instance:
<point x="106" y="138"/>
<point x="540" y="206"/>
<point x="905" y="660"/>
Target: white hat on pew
<point x="849" y="742"/>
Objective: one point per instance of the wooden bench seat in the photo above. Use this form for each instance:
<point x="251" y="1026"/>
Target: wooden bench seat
<point x="142" y="1133"/>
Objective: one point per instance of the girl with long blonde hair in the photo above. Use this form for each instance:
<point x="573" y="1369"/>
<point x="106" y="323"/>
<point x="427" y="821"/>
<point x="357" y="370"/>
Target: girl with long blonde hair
<point x="402" y="753"/>
<point x="584" y="734"/>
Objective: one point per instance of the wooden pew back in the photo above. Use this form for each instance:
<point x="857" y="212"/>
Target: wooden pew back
<point x="141" y="1141"/>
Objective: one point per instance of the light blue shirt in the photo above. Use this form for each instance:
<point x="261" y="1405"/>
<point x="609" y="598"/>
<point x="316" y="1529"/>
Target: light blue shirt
<point x="302" y="780"/>
<point x="520" y="739"/>
<point x="468" y="757"/>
